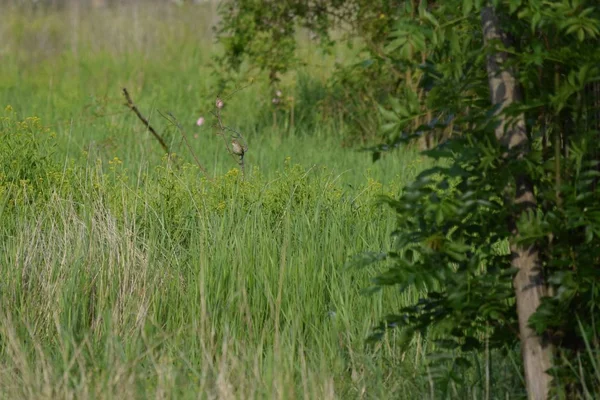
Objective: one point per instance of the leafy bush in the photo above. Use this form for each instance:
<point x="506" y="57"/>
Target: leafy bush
<point x="27" y="168"/>
<point x="268" y="39"/>
<point x="456" y="220"/>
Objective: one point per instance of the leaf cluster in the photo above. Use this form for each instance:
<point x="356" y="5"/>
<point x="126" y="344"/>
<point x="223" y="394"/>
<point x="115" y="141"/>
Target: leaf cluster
<point x="453" y="237"/>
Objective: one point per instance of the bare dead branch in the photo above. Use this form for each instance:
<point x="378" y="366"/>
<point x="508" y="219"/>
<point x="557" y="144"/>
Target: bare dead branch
<point x="137" y="112"/>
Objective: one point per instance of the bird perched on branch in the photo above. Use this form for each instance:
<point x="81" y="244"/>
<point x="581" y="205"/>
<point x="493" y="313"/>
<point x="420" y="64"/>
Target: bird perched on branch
<point x="237" y="148"/>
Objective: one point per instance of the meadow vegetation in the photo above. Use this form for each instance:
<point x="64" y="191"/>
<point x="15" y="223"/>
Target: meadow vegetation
<point x="500" y="236"/>
<point x="127" y="273"/>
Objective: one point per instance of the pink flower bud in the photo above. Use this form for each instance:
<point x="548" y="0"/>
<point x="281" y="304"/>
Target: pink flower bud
<point x="278" y="93"/>
<point x="219" y="103"/>
<point x="200" y="121"/>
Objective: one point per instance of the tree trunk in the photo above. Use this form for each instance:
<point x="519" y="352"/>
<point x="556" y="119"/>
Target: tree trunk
<point x="592" y="104"/>
<point x="529" y="282"/>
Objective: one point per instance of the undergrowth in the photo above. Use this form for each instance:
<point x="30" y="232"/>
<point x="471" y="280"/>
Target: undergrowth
<point x="160" y="282"/>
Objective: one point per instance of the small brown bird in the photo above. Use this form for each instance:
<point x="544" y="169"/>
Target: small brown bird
<point x="237" y="148"/>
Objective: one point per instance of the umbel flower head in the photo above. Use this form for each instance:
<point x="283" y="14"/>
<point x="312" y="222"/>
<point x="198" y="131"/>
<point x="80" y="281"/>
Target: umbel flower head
<point x="219" y="103"/>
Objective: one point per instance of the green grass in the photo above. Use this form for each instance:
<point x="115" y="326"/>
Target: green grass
<point x="123" y="275"/>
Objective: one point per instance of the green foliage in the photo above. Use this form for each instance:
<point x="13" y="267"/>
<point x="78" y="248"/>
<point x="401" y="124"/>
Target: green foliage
<point x="128" y="276"/>
<point x="268" y="37"/>
<point x="262" y="31"/>
<point x="105" y="270"/>
<point x="123" y="274"/>
<point x="187" y="283"/>
<point x="451" y="241"/>
<point x="27" y="168"/>
<point x="265" y="32"/>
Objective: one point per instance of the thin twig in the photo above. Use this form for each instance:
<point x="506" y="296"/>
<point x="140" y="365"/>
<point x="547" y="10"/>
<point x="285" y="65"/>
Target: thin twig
<point x="241" y="164"/>
<point x="238" y="90"/>
<point x="221" y="132"/>
<point x="175" y="122"/>
<point x="238" y="135"/>
<point x="238" y="156"/>
<point x="222" y="128"/>
<point x="133" y="108"/>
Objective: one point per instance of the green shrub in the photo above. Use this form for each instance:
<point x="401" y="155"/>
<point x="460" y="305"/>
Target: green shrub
<point x="28" y="171"/>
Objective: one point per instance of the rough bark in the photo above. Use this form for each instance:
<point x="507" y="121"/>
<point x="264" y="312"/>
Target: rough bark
<point x="529" y="282"/>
